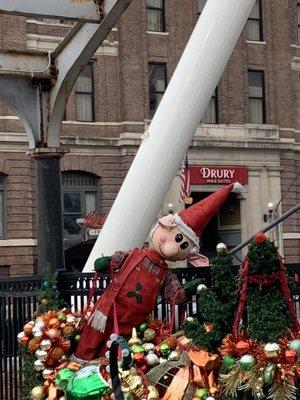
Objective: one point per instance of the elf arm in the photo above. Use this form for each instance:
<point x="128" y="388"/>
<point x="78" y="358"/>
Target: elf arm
<point x="111" y="264"/>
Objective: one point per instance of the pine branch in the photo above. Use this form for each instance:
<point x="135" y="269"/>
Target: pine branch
<point x="282" y="391"/>
<point x="232" y="381"/>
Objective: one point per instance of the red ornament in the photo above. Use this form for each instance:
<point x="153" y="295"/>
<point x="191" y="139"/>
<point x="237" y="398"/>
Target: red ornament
<point x="290" y="356"/>
<point x="242" y="347"/>
<point x="144" y="368"/>
<point x="139" y="359"/>
<point x="260" y="238"/>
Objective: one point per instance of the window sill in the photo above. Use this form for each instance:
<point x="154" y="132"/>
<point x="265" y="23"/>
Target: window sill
<point x="296" y="46"/>
<point x="260" y="42"/>
<point x="158" y="33"/>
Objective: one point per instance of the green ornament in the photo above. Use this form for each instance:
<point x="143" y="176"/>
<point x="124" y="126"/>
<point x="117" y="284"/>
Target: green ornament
<point x="77" y="338"/>
<point x="201" y="394"/>
<point x="247" y="362"/>
<point x="228" y="362"/>
<point x="295" y="345"/>
<point x="61" y="317"/>
<point x="165" y="349"/>
<point x="63" y="377"/>
<point x="269" y="374"/>
<point x="87" y="384"/>
<point x="46" y="284"/>
<point x="138" y="349"/>
<point x="143" y="327"/>
<point x="127" y="395"/>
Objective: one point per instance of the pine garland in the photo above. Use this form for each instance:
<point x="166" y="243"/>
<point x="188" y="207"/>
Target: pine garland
<point x="284" y="391"/>
<point x="29" y="377"/>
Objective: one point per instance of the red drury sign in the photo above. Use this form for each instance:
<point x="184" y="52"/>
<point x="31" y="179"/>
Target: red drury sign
<point x="218" y="175"/>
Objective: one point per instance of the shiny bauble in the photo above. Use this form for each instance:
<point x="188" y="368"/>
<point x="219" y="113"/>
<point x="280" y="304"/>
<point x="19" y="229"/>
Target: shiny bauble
<point x="63" y="377"/>
<point x="46" y="372"/>
<point x="152" y="360"/>
<point x="165" y="349"/>
<point x="41" y="355"/>
<point x="144" y="368"/>
<point x="260" y="238"/>
<point x="201" y="394"/>
<point x="149" y="335"/>
<point x="36" y="328"/>
<point x="247" y="362"/>
<point x="138" y="349"/>
<point x="20" y="336"/>
<point x="45" y="302"/>
<point x="191" y="319"/>
<point x="242" y="347"/>
<point x="221" y="247"/>
<point x="27" y="328"/>
<point x="70" y="319"/>
<point x="53" y="334"/>
<point x="295" y="345"/>
<point x="45" y="344"/>
<point x="290" y="356"/>
<point x="149" y="347"/>
<point x="139" y="359"/>
<point x="134" y="340"/>
<point x="152" y="393"/>
<point x="143" y="327"/>
<point x="174" y="356"/>
<point x="53" y="323"/>
<point x="37" y="393"/>
<point x="24" y="340"/>
<point x="201" y="287"/>
<point x="269" y="374"/>
<point x="38" y="365"/>
<point x="210" y="398"/>
<point x="77" y="338"/>
<point x="34" y="345"/>
<point x="61" y="317"/>
<point x="113" y="337"/>
<point x="271" y="350"/>
<point x="228" y="362"/>
<point x="38" y="334"/>
<point x="40" y="325"/>
<point x="162" y="360"/>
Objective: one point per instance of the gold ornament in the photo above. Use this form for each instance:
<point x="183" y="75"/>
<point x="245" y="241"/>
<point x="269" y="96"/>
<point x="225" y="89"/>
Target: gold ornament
<point x="45" y="302"/>
<point x="152" y="393"/>
<point x="37" y="393"/>
<point x="149" y="335"/>
<point x="134" y="340"/>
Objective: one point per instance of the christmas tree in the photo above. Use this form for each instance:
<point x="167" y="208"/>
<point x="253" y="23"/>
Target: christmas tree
<point x="262" y="360"/>
<point x="217" y="305"/>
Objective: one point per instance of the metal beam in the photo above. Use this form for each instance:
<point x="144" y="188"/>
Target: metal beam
<point x="81" y="10"/>
<point x="71" y="57"/>
<point x="26" y="64"/>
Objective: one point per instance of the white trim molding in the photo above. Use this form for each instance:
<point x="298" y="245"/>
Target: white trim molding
<point x="291" y="236"/>
<point x="18" y="242"/>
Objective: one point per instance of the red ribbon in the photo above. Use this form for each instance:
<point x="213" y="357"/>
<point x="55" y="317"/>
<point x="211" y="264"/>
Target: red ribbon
<point x="264" y="280"/>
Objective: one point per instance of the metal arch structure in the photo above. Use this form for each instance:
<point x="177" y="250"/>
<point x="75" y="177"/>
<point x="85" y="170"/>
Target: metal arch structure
<point x="37" y="86"/>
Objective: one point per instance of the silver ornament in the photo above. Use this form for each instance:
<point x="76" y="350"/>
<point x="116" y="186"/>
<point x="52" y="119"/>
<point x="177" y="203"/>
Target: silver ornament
<point x="38" y="334"/>
<point x="20" y="336"/>
<point x="45" y="344"/>
<point x="70" y="319"/>
<point x="210" y="398"/>
<point x="39" y="325"/>
<point x="221" y="247"/>
<point x="201" y="287"/>
<point x="152" y="360"/>
<point x="148" y="347"/>
<point x="41" y="355"/>
<point x="35" y="329"/>
<point x="174" y="356"/>
<point x="162" y="360"/>
<point x="38" y="365"/>
<point x="271" y="350"/>
<point x="46" y="372"/>
<point x="191" y="319"/>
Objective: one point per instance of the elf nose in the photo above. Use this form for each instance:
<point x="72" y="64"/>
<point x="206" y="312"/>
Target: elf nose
<point x="163" y="239"/>
<point x="169" y="249"/>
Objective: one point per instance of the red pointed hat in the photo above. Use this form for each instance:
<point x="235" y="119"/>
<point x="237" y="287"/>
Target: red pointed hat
<point x="194" y="219"/>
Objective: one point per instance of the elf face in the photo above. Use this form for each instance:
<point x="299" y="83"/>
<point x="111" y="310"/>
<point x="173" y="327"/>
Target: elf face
<point x="169" y="242"/>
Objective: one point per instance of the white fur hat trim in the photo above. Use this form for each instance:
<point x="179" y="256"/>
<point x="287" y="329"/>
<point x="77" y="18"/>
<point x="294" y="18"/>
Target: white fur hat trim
<point x="186" y="230"/>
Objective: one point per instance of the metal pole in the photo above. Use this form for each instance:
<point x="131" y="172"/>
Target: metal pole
<point x="267" y="228"/>
<point x="173" y="127"/>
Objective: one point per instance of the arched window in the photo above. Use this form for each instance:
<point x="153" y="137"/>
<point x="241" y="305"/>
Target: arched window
<point x="2" y="205"/>
<point x="80" y="196"/>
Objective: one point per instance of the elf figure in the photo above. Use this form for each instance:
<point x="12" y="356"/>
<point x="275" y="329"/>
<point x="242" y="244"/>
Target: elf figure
<point x="139" y="276"/>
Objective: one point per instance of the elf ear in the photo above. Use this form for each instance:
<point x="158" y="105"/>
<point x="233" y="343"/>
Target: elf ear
<point x="198" y="260"/>
<point x="167" y="222"/>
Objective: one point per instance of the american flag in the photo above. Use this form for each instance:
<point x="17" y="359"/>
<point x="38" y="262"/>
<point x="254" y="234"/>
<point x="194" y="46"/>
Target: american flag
<point x="185" y="190"/>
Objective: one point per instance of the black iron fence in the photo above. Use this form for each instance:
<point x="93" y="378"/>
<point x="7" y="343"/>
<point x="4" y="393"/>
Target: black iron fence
<point x="18" y="301"/>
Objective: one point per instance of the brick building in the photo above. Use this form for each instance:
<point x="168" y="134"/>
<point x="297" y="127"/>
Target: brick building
<point x="251" y="128"/>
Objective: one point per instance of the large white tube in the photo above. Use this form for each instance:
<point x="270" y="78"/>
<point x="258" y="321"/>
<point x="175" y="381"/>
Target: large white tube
<point x="173" y="126"/>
